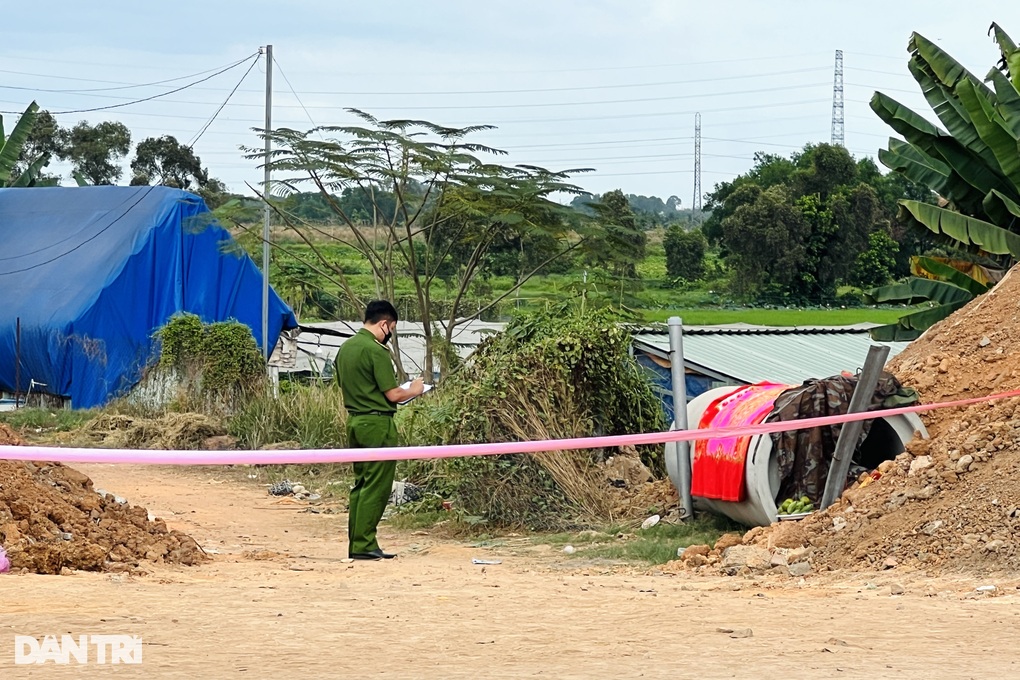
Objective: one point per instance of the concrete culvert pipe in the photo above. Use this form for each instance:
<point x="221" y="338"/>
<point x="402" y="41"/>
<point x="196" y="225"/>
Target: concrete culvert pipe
<point x="886" y="439"/>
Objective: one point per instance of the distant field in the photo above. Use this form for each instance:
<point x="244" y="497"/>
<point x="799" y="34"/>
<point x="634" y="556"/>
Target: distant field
<point x="778" y="317"/>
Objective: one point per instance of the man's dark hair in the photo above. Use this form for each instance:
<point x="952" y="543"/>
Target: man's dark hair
<point x="380" y="310"/>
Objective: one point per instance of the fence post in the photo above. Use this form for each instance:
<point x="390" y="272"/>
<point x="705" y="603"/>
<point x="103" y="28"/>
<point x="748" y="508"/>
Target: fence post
<point x="850" y="432"/>
<point x="676" y="364"/>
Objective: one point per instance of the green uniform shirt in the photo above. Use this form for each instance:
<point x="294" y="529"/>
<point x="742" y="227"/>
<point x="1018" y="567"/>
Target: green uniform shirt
<point x="365" y="372"/>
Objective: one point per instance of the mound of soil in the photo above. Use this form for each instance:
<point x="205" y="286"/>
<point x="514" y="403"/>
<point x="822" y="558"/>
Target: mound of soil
<point x="8" y="436"/>
<point x="948" y="504"/>
<point x="174" y="431"/>
<point x="633" y="490"/>
<point x="52" y="518"/>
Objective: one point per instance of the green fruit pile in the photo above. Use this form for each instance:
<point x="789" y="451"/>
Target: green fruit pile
<point x="793" y="506"/>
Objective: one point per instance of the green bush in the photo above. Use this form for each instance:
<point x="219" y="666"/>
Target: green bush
<point x="548" y="375"/>
<point x="218" y="363"/>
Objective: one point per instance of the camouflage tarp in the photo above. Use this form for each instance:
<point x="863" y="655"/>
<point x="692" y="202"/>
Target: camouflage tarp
<point x="804" y="455"/>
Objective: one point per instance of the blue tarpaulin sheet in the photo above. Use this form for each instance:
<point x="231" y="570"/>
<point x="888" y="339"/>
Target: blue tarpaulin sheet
<point x="662" y="383"/>
<point x="92" y="272"/>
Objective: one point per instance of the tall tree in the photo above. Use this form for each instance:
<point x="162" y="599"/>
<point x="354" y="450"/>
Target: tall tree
<point x="768" y="170"/>
<point x="95" y="151"/>
<point x="685" y="253"/>
<point x="767" y="240"/>
<point x="434" y="175"/>
<point x="621" y="243"/>
<point x="164" y="160"/>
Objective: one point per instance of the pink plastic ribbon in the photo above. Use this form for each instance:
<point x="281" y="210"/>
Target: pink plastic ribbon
<point x="311" y="456"/>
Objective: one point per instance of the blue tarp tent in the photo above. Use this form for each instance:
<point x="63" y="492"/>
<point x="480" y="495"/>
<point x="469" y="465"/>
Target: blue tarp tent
<point x="92" y="272"/>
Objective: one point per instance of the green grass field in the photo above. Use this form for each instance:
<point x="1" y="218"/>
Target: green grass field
<point x="652" y="298"/>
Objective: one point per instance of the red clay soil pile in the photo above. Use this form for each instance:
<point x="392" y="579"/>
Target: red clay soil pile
<point x="950" y="503"/>
<point x="52" y="518"/>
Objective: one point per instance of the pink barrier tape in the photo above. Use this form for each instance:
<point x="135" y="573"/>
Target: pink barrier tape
<point x="310" y="456"/>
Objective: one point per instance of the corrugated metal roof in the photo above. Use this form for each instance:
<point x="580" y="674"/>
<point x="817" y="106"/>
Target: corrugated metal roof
<point x="316" y="351"/>
<point x="750" y="354"/>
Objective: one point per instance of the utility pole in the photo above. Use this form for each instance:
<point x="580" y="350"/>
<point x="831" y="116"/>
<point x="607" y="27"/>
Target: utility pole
<point x="837" y="101"/>
<point x="265" y="215"/>
<point x="696" y="203"/>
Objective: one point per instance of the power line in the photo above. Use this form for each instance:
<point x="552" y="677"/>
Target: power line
<point x="659" y="172"/>
<point x="875" y="70"/>
<point x="593" y="69"/>
<point x="144" y="99"/>
<point x="660" y="114"/>
<point x="468" y="107"/>
<point x="287" y="80"/>
<point x="123" y="86"/>
<point x="756" y="59"/>
<point x="577" y="88"/>
<point x="205" y="127"/>
<point x="640" y="100"/>
<point x="651" y="115"/>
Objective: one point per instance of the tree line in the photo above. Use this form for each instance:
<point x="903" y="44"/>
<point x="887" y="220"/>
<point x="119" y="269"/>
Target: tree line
<point x="96" y="153"/>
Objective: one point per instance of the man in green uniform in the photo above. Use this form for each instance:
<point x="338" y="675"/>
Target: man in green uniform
<point x="371" y="394"/>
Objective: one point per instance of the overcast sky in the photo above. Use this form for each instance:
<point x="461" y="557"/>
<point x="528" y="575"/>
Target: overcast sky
<point x="608" y="84"/>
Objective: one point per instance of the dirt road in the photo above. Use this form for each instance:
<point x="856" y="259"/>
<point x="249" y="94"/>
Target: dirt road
<point x="277" y="600"/>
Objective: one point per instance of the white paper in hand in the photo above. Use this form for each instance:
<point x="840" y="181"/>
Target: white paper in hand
<point x="407" y="385"/>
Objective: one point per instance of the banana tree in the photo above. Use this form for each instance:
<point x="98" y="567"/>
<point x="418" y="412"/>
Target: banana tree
<point x="10" y="152"/>
<point x="973" y="164"/>
<point x="940" y="284"/>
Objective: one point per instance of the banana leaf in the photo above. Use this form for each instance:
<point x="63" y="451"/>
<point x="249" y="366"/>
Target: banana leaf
<point x="1010" y="54"/>
<point x="916" y="290"/>
<point x="917" y="166"/>
<point x="993" y="132"/>
<point x="973" y="177"/>
<point x="949" y="71"/>
<point x="953" y="115"/>
<point x="1007" y="100"/>
<point x="911" y="326"/>
<point x="967" y="230"/>
<point x="10" y="148"/>
<point x="986" y="276"/>
<point x="894" y="292"/>
<point x="1012" y="206"/>
<point x="943" y="271"/>
<point x="1003" y="210"/>
<point x="30" y="177"/>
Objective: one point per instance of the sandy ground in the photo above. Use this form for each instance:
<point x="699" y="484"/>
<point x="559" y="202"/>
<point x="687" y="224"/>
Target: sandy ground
<point x="278" y="599"/>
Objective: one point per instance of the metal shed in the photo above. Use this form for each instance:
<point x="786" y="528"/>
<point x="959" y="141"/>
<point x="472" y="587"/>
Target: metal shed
<point x="742" y="354"/>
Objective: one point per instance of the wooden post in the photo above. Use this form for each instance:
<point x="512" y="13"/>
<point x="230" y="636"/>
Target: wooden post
<point x="17" y="362"/>
<point x="848" y="435"/>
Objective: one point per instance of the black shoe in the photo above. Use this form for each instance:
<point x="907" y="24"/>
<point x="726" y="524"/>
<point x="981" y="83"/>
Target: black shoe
<point x="376" y="554"/>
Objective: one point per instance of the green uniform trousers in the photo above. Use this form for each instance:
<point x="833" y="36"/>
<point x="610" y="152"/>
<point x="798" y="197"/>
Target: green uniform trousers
<point x="373" y="481"/>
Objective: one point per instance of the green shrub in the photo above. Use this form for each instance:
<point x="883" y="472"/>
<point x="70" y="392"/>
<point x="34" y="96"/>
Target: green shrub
<point x="549" y="375"/>
<point x="217" y="364"/>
